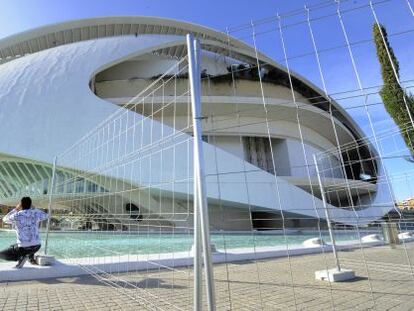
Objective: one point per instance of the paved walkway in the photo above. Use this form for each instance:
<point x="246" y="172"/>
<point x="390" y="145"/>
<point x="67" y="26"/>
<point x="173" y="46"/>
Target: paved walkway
<point x="385" y="282"/>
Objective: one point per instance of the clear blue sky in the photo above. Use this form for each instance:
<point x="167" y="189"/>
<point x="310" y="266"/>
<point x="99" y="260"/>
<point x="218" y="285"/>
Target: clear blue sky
<point x="20" y="15"/>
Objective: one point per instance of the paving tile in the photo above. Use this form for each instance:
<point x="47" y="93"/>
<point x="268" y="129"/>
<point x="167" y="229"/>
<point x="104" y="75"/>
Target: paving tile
<point x="263" y="285"/>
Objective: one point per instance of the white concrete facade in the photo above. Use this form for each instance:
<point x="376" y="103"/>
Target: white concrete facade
<point x="47" y="105"/>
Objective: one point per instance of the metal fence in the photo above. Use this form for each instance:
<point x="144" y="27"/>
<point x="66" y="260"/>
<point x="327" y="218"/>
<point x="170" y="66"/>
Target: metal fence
<point x="289" y="160"/>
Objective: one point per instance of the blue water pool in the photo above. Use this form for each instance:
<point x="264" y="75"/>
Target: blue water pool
<point x="95" y="244"/>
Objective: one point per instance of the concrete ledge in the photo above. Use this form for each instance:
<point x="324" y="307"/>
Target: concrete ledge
<point x="130" y="263"/>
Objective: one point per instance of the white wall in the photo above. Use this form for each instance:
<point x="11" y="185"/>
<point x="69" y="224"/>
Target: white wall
<point x="231" y="144"/>
<point x="329" y="165"/>
<point x="49" y="93"/>
<point x="281" y="157"/>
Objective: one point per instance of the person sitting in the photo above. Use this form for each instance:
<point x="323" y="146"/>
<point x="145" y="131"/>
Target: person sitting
<point x="25" y="219"/>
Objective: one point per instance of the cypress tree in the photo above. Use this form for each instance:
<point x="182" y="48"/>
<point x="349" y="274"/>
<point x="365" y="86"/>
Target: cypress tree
<point x="391" y="93"/>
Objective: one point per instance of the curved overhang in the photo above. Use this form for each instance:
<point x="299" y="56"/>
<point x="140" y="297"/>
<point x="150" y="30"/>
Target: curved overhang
<point x="277" y="110"/>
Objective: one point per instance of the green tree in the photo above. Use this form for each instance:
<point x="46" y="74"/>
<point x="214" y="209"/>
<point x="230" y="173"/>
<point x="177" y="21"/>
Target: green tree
<point x="392" y="94"/>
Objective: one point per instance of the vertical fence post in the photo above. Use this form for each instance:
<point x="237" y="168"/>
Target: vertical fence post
<point x="197" y="250"/>
<point x="200" y="198"/>
<point x="327" y="216"/>
<point x="196" y="222"/>
<point x="51" y="189"/>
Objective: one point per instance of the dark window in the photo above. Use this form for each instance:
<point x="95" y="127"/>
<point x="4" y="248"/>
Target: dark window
<point x="133" y="211"/>
<point x="258" y="152"/>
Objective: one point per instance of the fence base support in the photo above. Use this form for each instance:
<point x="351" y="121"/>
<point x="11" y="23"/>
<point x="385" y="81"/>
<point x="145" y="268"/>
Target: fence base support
<point x="334" y="275"/>
<point x="45" y="260"/>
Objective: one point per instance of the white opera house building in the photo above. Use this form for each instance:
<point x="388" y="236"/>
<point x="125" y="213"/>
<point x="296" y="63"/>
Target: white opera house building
<point x="59" y="82"/>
